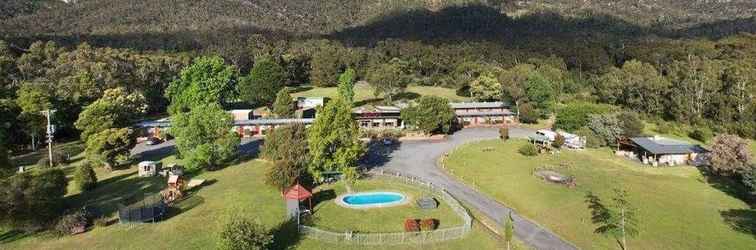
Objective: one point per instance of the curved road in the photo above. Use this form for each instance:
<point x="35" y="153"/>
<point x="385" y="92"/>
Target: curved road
<point x="419" y="158"/>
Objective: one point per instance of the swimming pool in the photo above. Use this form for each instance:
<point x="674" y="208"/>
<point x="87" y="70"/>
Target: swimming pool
<point x="371" y="199"/>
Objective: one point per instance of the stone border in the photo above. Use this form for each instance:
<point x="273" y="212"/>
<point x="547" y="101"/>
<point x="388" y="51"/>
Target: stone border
<point x="404" y="201"/>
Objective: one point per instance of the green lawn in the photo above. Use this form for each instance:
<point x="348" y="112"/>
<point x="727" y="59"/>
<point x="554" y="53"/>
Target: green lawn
<point x="196" y="222"/>
<point x="678" y="207"/>
<point x="363" y="94"/>
<point x="73" y="149"/>
<point x="336" y="218"/>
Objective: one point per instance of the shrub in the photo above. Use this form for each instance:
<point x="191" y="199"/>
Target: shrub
<point x="72" y="223"/>
<point x="411" y="225"/>
<point x="428" y="224"/>
<point x="701" y="134"/>
<point x="59" y="158"/>
<point x="592" y="140"/>
<point x="574" y="115"/>
<point x="528" y="150"/>
<point x="608" y="127"/>
<point x="631" y="124"/>
<point x="504" y="133"/>
<point x="32" y="198"/>
<point x="559" y="141"/>
<point x="287" y="143"/>
<point x="85" y="177"/>
<point x="749" y="179"/>
<point x="244" y="234"/>
<point x="528" y="114"/>
<point x="430" y="114"/>
<point x="729" y="155"/>
<point x="282" y="174"/>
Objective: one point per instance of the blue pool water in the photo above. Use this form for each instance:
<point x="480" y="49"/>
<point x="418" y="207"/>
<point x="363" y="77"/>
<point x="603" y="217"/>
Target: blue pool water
<point x="373" y="199"/>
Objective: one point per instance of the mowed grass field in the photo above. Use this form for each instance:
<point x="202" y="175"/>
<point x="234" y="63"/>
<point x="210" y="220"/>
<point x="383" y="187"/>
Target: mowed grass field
<point x="363" y="93"/>
<point x="679" y="208"/>
<point x="236" y="190"/>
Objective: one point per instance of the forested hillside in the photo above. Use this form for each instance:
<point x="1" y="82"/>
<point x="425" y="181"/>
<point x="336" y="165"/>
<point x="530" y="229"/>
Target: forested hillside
<point x="12" y="8"/>
<point x="141" y="45"/>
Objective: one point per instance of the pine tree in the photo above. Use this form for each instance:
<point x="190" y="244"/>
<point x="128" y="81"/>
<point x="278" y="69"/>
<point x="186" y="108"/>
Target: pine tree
<point x="618" y="220"/>
<point x="333" y="139"/>
<point x="265" y="80"/>
<point x="346" y="86"/>
<point x="284" y="105"/>
<point x="85" y="177"/>
<point x="509" y="230"/>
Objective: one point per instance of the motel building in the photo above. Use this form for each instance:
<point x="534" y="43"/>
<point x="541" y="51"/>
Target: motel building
<point x="378" y="117"/>
<point x="245" y="128"/>
<point x="473" y="114"/>
<point x="249" y="123"/>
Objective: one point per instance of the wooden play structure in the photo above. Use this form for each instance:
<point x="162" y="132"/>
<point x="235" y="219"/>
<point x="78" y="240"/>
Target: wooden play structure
<point x="175" y="189"/>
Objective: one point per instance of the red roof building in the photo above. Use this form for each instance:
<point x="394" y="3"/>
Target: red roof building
<point x="298" y="192"/>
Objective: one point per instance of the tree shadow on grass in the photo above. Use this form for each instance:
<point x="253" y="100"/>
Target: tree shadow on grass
<point x="323" y="196"/>
<point x="728" y="185"/>
<point x="184" y="205"/>
<point x="406" y="96"/>
<point x="116" y="190"/>
<point x="286" y="235"/>
<point x="13" y="235"/>
<point x="741" y="220"/>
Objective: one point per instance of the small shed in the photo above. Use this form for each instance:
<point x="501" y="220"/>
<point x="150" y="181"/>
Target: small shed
<point x="149" y="168"/>
<point x="664" y="151"/>
<point x="294" y="196"/>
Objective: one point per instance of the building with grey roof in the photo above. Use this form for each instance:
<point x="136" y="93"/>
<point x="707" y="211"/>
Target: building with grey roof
<point x="658" y="150"/>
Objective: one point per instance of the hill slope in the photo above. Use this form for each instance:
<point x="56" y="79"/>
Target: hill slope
<point x="327" y="16"/>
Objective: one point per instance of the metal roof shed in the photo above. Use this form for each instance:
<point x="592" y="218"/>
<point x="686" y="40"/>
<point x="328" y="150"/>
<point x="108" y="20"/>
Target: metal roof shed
<point x="662" y="146"/>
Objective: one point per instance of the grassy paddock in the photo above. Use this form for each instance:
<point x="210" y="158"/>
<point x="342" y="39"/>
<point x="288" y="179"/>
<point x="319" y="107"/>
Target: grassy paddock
<point x="196" y="221"/>
<point x="678" y="207"/>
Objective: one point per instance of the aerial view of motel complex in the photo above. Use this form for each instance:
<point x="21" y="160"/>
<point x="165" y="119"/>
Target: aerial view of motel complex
<point x="239" y="124"/>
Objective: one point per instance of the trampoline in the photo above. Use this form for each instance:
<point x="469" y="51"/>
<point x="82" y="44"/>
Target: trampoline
<point x="151" y="209"/>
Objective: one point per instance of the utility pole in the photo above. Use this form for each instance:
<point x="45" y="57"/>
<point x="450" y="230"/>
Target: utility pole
<point x="50" y="131"/>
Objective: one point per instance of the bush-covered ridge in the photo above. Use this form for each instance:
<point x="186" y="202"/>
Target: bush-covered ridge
<point x="326" y="16"/>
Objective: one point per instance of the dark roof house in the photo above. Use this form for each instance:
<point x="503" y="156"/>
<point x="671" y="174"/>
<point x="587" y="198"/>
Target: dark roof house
<point x="664" y="146"/>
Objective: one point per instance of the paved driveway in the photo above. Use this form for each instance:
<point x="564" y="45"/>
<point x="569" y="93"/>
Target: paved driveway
<point x="249" y="147"/>
<point x="420" y="158"/>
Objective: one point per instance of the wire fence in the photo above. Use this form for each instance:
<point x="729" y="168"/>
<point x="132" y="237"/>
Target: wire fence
<point x="397" y="238"/>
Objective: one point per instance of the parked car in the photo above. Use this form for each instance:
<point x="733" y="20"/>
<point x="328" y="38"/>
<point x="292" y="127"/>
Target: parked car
<point x="154" y="141"/>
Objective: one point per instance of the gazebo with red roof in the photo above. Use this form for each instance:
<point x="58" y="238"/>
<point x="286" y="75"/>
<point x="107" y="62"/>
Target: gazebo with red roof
<point x="299" y="193"/>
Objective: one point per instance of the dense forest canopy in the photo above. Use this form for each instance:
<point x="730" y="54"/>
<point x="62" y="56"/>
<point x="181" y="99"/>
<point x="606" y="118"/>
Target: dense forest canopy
<point x="586" y="49"/>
